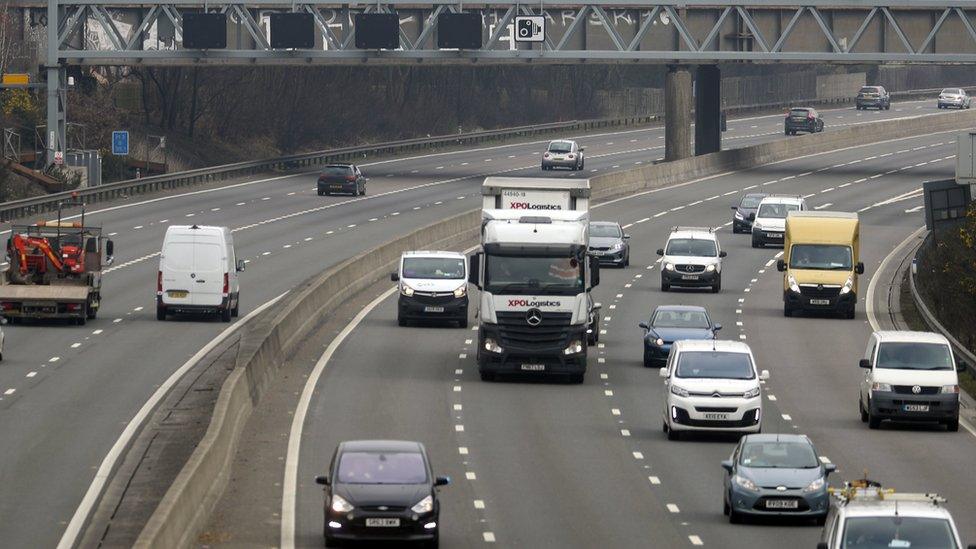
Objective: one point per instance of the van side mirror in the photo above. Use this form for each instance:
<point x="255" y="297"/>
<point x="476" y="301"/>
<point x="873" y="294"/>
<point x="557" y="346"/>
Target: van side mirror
<point x="442" y="481"/>
<point x="859" y="268"/>
<point x="764" y="375"/>
<point x="735" y="207"/>
<point x="643" y="325"/>
<point x="323" y="480"/>
<point x="752" y="216"/>
<point x="660" y="251"/>
<point x="780" y="265"/>
<point x="663" y="372"/>
<point x="241" y="265"/>
<point x="829" y="468"/>
<point x="626" y="237"/>
<point x="723" y="253"/>
<point x="716" y="327"/>
<point x="864" y="363"/>
<point x="394" y="277"/>
<point x="727" y="465"/>
<point x="109" y="248"/>
<point x="960" y="365"/>
<point x="594" y="272"/>
<point x="474" y="268"/>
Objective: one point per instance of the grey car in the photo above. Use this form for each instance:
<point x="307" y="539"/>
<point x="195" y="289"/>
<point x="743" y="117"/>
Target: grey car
<point x="563" y="153"/>
<point x="740" y="216"/>
<point x="956" y="98"/>
<point x="776" y="475"/>
<point x="609" y="243"/>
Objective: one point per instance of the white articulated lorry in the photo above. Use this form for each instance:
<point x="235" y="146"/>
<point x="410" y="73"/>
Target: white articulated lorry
<point x="535" y="312"/>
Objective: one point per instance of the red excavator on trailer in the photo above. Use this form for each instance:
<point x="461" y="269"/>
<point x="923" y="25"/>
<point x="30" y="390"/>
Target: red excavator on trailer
<point x="55" y="270"/>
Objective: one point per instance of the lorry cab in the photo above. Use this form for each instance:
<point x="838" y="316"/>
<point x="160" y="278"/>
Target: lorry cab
<point x="820" y="262"/>
<point x="198" y="272"/>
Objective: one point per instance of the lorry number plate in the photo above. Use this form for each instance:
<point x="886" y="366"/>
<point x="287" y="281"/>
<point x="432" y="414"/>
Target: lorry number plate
<point x="534" y="367"/>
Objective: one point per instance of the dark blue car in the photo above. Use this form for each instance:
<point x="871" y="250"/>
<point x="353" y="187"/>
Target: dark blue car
<point x="670" y="323"/>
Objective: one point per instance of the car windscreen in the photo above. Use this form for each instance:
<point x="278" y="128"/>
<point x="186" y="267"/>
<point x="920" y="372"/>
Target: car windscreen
<point x="560" y="147"/>
<point x="778" y="455"/>
<point x="680" y="319"/>
<point x="433" y="267"/>
<point x="825" y="257"/>
<point x="691" y="247"/>
<point x="382" y="468"/>
<point x="897" y="532"/>
<point x="604" y="230"/>
<point x="776" y="211"/>
<point x="914" y="356"/>
<point x="799" y="112"/>
<point x="533" y="275"/>
<point x="750" y="201"/>
<point x="336" y="171"/>
<point x="714" y="365"/>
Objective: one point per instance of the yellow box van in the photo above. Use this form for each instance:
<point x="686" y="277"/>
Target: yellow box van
<point x="820" y="262"/>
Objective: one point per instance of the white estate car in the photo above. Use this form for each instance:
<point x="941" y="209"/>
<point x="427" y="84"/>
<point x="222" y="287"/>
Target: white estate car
<point x="711" y="385"/>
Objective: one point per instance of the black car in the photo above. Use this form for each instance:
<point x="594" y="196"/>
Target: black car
<point x="609" y="243"/>
<point x="803" y="119"/>
<point x="668" y="324"/>
<point x="748" y="205"/>
<point x="342" y="178"/>
<point x="381" y="490"/>
<point x="873" y="96"/>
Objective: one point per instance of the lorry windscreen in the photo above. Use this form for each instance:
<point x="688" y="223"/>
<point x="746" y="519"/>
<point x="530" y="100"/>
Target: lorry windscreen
<point x="824" y="257"/>
<point x="533" y="275"/>
<point x="433" y="267"/>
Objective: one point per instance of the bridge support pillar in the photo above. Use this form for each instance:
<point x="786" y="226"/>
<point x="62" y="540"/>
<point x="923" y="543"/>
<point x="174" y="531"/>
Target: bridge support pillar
<point x="677" y="113"/>
<point x="708" y="110"/>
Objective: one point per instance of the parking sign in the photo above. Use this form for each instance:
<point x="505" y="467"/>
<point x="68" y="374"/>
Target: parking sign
<point x="120" y="143"/>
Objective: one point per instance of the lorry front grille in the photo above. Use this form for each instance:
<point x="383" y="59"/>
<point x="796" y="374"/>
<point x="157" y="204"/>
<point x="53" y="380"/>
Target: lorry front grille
<point x="822" y="292"/>
<point x="514" y="329"/>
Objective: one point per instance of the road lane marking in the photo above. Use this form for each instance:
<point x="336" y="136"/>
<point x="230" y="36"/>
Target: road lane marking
<point x="673" y="508"/>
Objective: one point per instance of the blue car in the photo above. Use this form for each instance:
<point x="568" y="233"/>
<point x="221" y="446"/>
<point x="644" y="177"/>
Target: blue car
<point x="670" y="323"/>
<point x="776" y="475"/>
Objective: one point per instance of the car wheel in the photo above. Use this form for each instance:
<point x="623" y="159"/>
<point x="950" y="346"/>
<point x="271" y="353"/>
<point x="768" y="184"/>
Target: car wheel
<point x="873" y="421"/>
<point x="225" y="314"/>
<point x="648" y="363"/>
<point x="592" y="338"/>
<point x="786" y="132"/>
<point x="718" y="286"/>
<point x="860" y="409"/>
<point x="433" y="544"/>
<point x="236" y="311"/>
<point x="576" y="379"/>
<point x="463" y="323"/>
<point x="331" y="542"/>
<point x="725" y="506"/>
<point x="787" y="310"/>
<point x="755" y="242"/>
<point x="734" y="516"/>
<point x="665" y="286"/>
<point x="952" y="425"/>
<point x="627" y="260"/>
<point x="401" y="321"/>
<point x="160" y="313"/>
<point x="487" y="376"/>
<point x="850" y="313"/>
<point x="821" y="520"/>
<point x="672" y="434"/>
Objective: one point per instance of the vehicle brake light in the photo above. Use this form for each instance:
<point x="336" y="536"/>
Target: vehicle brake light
<point x="159" y="282"/>
<point x="809" y="117"/>
<point x="73" y="306"/>
<point x="226" y="283"/>
<point x="9" y="306"/>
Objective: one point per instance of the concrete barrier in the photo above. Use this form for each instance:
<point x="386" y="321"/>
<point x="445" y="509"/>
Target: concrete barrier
<point x="276" y="333"/>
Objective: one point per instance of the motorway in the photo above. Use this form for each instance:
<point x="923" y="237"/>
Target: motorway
<point x="67" y="392"/>
<point x="539" y="463"/>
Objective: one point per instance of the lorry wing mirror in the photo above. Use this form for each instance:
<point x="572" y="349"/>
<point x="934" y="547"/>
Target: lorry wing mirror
<point x="864" y="363"/>
<point x="780" y="265"/>
<point x="474" y="268"/>
<point x="660" y="251"/>
<point x="859" y="268"/>
<point x="594" y="272"/>
<point x="752" y="216"/>
<point x="241" y="265"/>
<point x="109" y="248"/>
<point x="394" y="277"/>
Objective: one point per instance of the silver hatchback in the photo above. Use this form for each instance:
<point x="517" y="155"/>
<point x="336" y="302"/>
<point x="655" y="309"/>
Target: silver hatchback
<point x="563" y="153"/>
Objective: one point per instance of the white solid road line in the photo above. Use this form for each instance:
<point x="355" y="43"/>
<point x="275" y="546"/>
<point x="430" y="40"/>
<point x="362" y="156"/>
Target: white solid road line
<point x="103" y="475"/>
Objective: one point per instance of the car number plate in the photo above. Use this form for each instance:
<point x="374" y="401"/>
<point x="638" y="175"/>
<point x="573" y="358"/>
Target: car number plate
<point x="713" y="415"/>
<point x="689" y="277"/>
<point x="433" y="309"/>
<point x="774" y="235"/>
<point x="782" y="504"/>
<point x="383" y="522"/>
<point x="819" y="302"/>
<point x="534" y="367"/>
<point x="177" y="293"/>
<point x="916" y="407"/>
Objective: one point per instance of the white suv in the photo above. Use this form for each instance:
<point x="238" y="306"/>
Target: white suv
<point x="769" y="221"/>
<point x="692" y="257"/>
<point x="711" y="385"/>
<point x="909" y="376"/>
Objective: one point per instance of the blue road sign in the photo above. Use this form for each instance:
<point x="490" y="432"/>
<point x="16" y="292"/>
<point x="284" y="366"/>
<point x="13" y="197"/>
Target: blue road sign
<point x="120" y="143"/>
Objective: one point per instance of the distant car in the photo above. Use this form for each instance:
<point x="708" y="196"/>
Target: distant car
<point x="776" y="475"/>
<point x="381" y="490"/>
<point x="741" y="223"/>
<point x="670" y="323"/>
<point x="693" y="258"/>
<point x="711" y="386"/>
<point x="564" y="153"/>
<point x="609" y="243"/>
<point x="342" y="178"/>
<point x="873" y="96"/>
<point x="954" y="97"/>
<point x="803" y="119"/>
<point x="769" y="221"/>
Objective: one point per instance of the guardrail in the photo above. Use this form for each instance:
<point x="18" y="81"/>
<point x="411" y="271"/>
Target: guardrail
<point x="960" y="350"/>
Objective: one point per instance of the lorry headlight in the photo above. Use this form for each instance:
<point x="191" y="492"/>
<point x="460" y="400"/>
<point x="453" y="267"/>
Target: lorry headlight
<point x="406" y="290"/>
<point x="848" y="286"/>
<point x="575" y="347"/>
<point x="461" y="292"/>
<point x="882" y="387"/>
<point x="709" y="268"/>
<point x="491" y="346"/>
<point x="669" y="266"/>
<point x="794" y="287"/>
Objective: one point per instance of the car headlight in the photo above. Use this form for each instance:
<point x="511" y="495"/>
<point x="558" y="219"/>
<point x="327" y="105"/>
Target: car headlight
<point x="680" y="391"/>
<point x="815" y="486"/>
<point x="751" y="393"/>
<point x="617" y="247"/>
<point x="668" y="266"/>
<point x="425" y="505"/>
<point x="659" y="342"/>
<point x="883" y="387"/>
<point x="949" y="389"/>
<point x="406" y="290"/>
<point x="575" y="347"/>
<point x="492" y="346"/>
<point x="745" y="483"/>
<point x="340" y="505"/>
<point x="739" y="216"/>
<point x="793" y="285"/>
<point x="709" y="268"/>
<point x="848" y="286"/>
<point x="461" y="292"/>
<point x="756" y="226"/>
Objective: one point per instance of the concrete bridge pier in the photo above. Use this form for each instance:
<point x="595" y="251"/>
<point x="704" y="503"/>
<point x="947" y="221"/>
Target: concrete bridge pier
<point x="677" y="113"/>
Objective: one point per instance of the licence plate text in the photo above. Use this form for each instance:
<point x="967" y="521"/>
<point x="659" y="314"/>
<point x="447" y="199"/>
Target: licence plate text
<point x="689" y="277"/>
<point x="534" y="367"/>
<point x="383" y="522"/>
<point x="782" y="504"/>
<point x="713" y="415"/>
<point x="433" y="309"/>
<point x="916" y="407"/>
<point x="819" y="302"/>
<point x="177" y="293"/>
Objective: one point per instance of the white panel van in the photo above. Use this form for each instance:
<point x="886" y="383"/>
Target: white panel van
<point x="198" y="272"/>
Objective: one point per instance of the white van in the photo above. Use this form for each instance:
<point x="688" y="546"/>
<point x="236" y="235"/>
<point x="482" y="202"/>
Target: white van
<point x="198" y="272"/>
